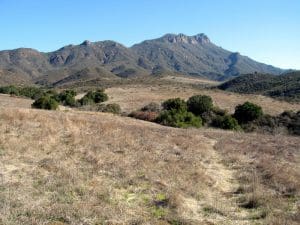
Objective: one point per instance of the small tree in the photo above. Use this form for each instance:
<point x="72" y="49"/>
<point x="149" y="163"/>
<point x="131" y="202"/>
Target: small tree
<point x="199" y="104"/>
<point x="174" y="104"/>
<point x="247" y="112"/>
<point x="45" y="102"/>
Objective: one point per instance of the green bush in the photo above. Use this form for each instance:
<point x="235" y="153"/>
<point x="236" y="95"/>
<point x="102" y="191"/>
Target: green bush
<point x="45" y="102"/>
<point x="100" y="96"/>
<point x="67" y="98"/>
<point x="247" y="112"/>
<point x="31" y="92"/>
<point x="94" y="97"/>
<point x="176" y="118"/>
<point x="174" y="104"/>
<point x="226" y="122"/>
<point x="199" y="104"/>
<point x="110" y="108"/>
<point x="11" y="90"/>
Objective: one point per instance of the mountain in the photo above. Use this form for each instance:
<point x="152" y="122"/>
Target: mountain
<point x="190" y="55"/>
<point x="197" y="55"/>
<point x="285" y="86"/>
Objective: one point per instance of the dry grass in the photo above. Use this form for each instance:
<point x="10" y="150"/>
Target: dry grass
<point x="15" y="102"/>
<point x="133" y="97"/>
<point x="93" y="168"/>
<point x="268" y="170"/>
<point x="89" y="168"/>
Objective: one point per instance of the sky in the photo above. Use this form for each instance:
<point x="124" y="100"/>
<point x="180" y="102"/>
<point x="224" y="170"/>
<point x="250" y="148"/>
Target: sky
<point x="265" y="30"/>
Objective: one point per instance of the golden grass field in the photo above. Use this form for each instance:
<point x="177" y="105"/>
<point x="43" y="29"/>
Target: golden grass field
<point x="133" y="97"/>
<point x="75" y="167"/>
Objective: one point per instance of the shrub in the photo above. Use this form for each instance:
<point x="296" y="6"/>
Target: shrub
<point x="110" y="108"/>
<point x="31" y="92"/>
<point x="247" y="112"/>
<point x="11" y="90"/>
<point x="94" y="97"/>
<point x="175" y="118"/>
<point x="199" y="104"/>
<point x="86" y="100"/>
<point x="218" y="111"/>
<point x="175" y="104"/>
<point x="151" y="107"/>
<point x="226" y="122"/>
<point x="45" y="102"/>
<point x="67" y="98"/>
<point x="100" y="96"/>
<point x="145" y="115"/>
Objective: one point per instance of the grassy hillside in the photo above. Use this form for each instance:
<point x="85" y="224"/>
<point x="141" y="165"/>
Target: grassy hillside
<point x="74" y="167"/>
<point x="285" y="87"/>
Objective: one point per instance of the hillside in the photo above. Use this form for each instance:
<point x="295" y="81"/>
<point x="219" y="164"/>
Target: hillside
<point x="285" y="86"/>
<point x="189" y="55"/>
<point x="94" y="168"/>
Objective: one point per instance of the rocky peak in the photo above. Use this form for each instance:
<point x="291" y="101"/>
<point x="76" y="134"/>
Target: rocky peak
<point x="182" y="38"/>
<point x="202" y="38"/>
<point x="86" y="43"/>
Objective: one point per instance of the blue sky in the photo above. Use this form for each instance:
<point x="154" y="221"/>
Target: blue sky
<point x="265" y="30"/>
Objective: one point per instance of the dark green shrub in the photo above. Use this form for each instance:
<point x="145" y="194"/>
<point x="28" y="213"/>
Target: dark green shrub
<point x="45" y="102"/>
<point x="94" y="97"/>
<point x="174" y="104"/>
<point x="67" y="98"/>
<point x="110" y="108"/>
<point x="247" y="112"/>
<point x="85" y="100"/>
<point x="199" y="104"/>
<point x="226" y="122"/>
<point x="31" y="92"/>
<point x="176" y="118"/>
<point x="151" y="107"/>
<point x="100" y="97"/>
<point x="11" y="90"/>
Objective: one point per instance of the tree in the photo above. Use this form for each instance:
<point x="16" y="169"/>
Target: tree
<point x="199" y="104"/>
<point x="247" y="112"/>
<point x="174" y="104"/>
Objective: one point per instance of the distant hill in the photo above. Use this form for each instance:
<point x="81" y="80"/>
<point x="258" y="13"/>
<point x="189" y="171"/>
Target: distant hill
<point x="285" y="86"/>
<point x="190" y="55"/>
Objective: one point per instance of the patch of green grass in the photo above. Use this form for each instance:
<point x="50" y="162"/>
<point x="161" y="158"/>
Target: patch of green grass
<point x="158" y="212"/>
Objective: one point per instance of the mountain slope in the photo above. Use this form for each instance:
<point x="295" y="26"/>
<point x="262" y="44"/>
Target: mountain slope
<point x="190" y="55"/>
<point x="197" y="55"/>
<point x="285" y="86"/>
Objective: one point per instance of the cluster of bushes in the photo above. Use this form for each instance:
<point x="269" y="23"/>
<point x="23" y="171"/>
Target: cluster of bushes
<point x="197" y="111"/>
<point x="287" y="122"/>
<point x="29" y="92"/>
<point x="175" y="114"/>
<point x="67" y="98"/>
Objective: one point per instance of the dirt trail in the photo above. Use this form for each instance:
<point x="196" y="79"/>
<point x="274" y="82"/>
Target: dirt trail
<point x="219" y="206"/>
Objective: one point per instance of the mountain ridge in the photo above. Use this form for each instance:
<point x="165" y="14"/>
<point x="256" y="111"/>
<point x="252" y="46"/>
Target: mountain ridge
<point x="189" y="55"/>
